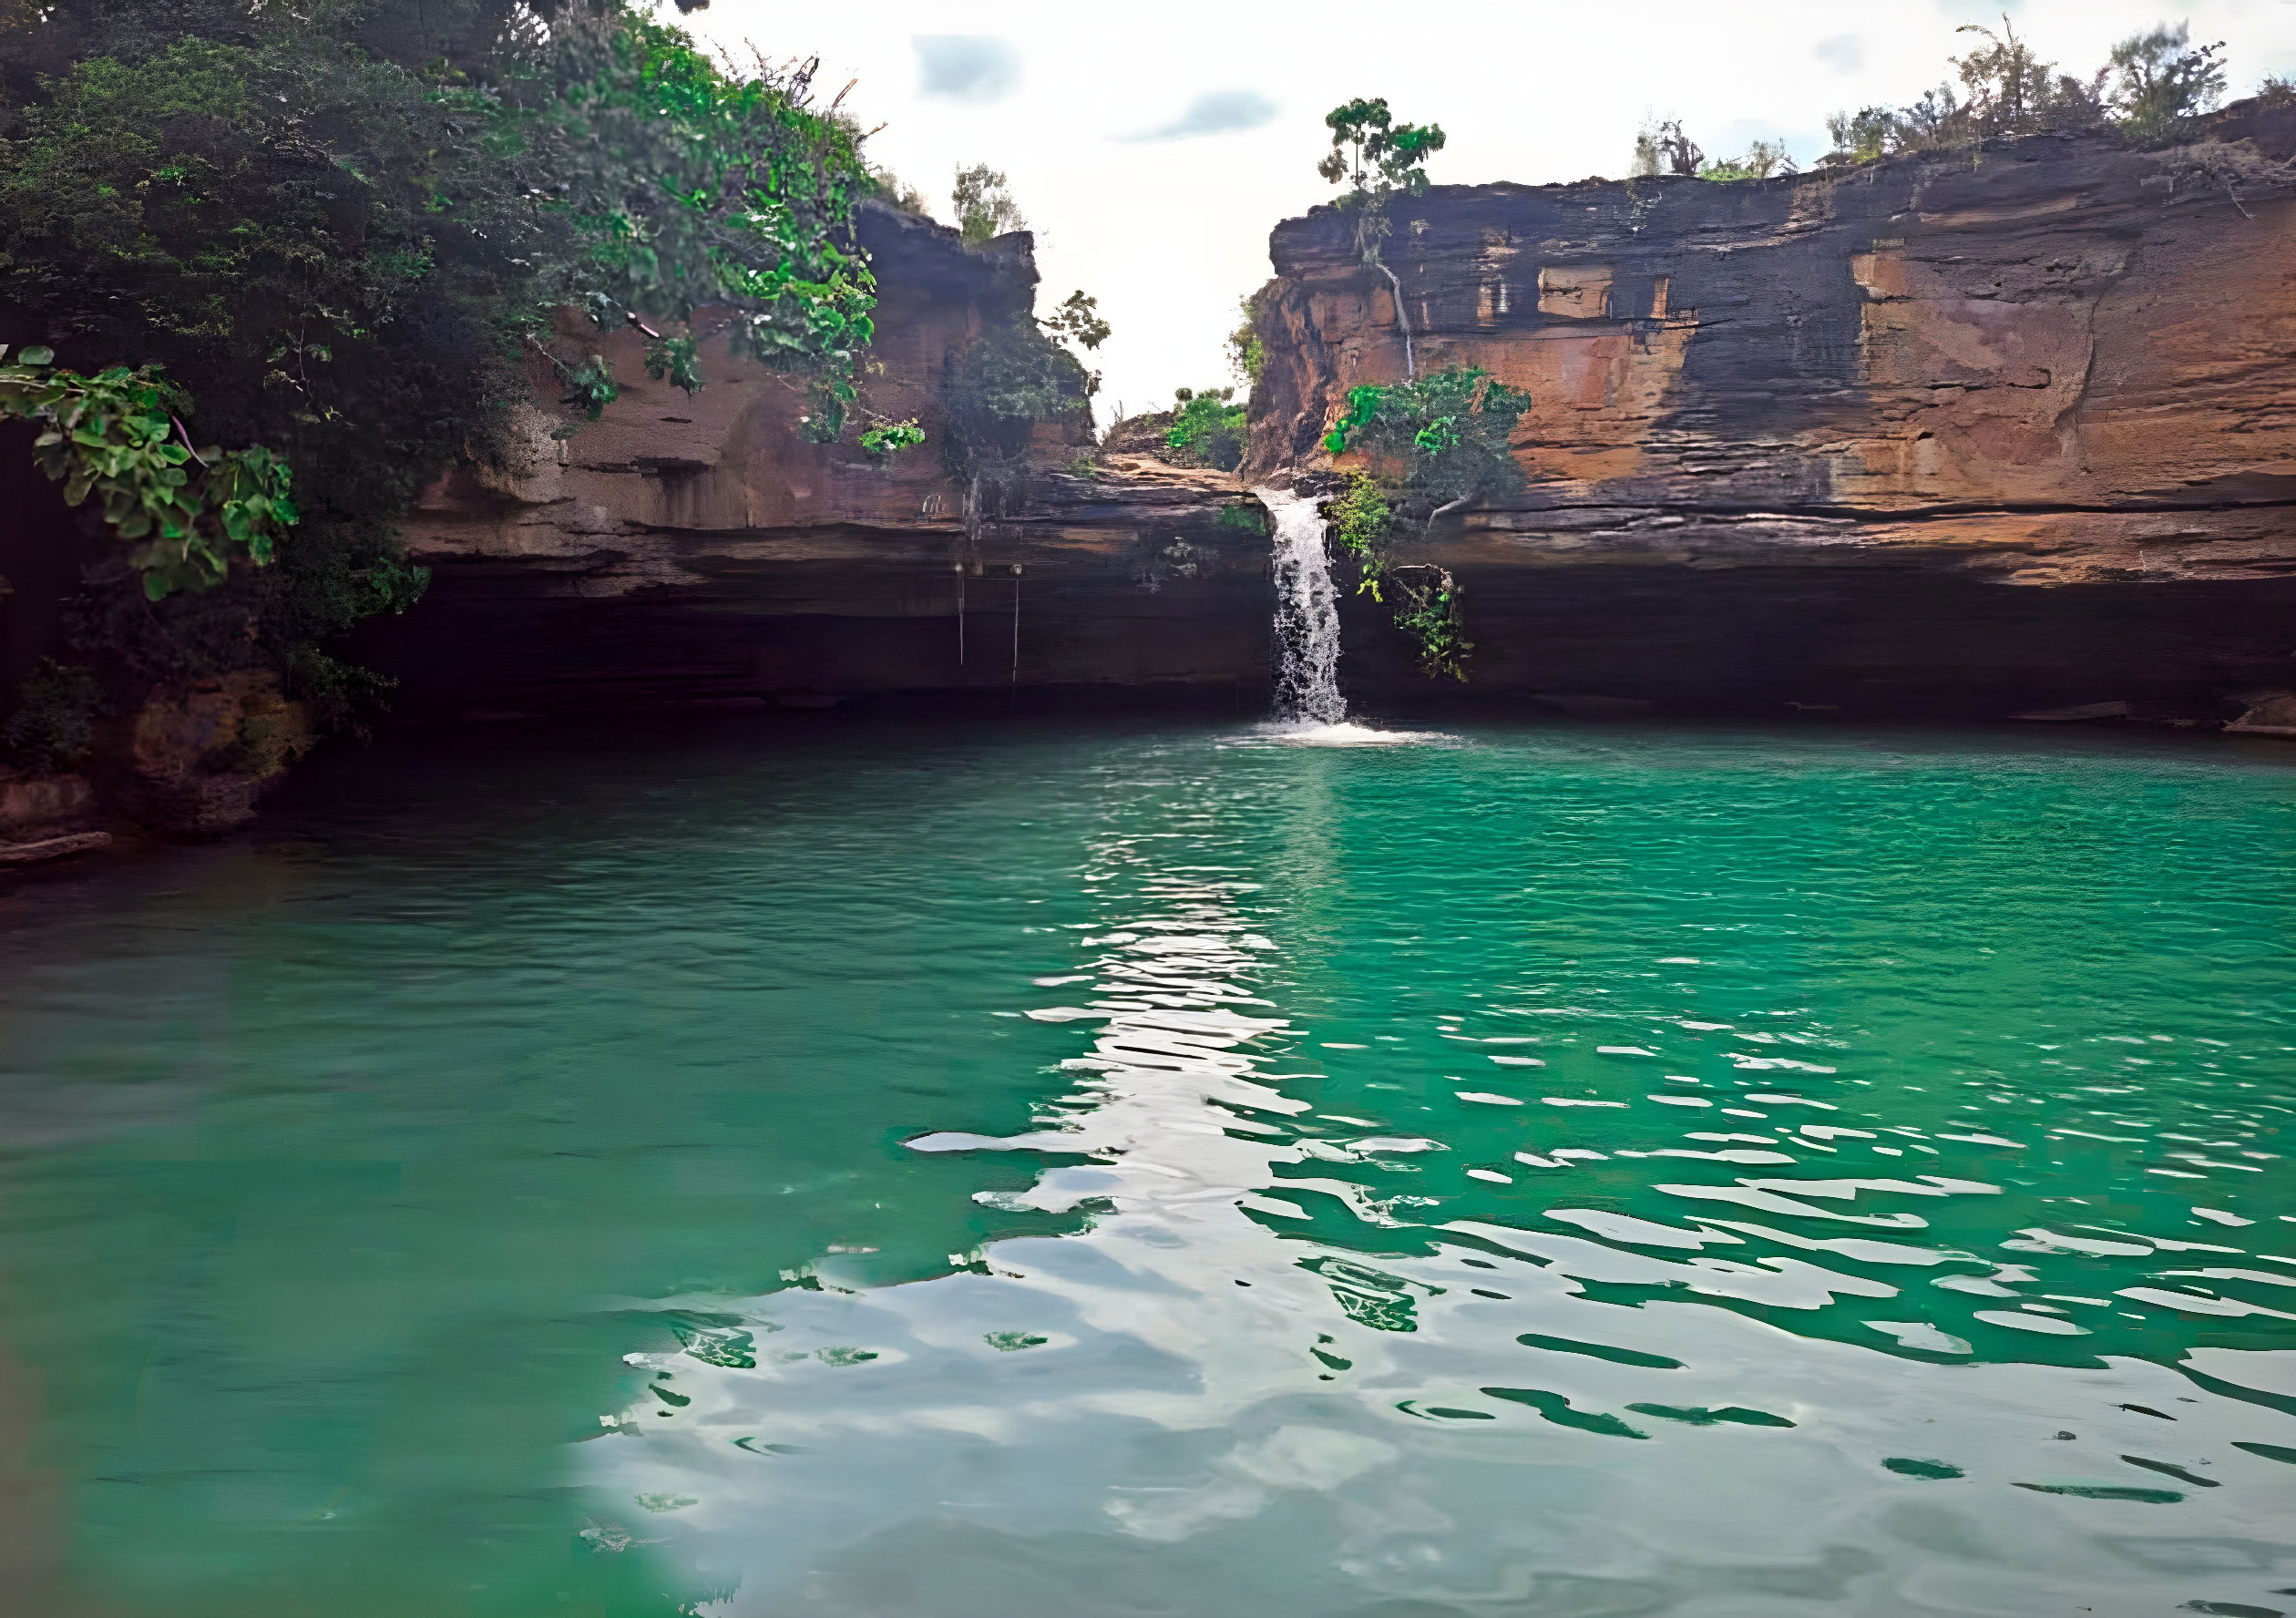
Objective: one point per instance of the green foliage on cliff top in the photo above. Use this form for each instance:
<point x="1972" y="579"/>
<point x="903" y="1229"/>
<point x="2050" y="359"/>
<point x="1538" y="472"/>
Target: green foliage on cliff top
<point x="1376" y="159"/>
<point x="2160" y="80"/>
<point x="982" y="200"/>
<point x="2153" y="87"/>
<point x="1207" y="430"/>
<point x="1760" y="161"/>
<point x="679" y="185"/>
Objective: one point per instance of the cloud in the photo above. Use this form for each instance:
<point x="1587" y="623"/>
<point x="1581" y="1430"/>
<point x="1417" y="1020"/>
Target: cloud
<point x="1844" y="52"/>
<point x="1215" y="112"/>
<point x="974" y="67"/>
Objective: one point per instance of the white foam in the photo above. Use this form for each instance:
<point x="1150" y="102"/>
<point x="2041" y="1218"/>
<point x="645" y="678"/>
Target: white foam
<point x="1345" y="733"/>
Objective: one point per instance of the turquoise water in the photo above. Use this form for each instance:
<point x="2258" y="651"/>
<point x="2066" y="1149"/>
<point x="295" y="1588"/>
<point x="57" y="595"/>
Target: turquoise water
<point x="1050" y="1173"/>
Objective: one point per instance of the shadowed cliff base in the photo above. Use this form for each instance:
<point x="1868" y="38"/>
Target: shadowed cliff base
<point x="1874" y="640"/>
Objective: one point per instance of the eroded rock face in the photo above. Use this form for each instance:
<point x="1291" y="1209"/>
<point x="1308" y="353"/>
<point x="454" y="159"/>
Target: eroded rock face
<point x="1972" y="433"/>
<point x="2056" y="361"/>
<point x="700" y="549"/>
<point x="197" y="759"/>
<point x="38" y="806"/>
<point x="1949" y="350"/>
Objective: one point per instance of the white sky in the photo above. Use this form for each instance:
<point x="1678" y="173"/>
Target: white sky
<point x="1170" y="233"/>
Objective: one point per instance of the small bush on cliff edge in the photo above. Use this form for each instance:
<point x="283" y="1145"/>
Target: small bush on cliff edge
<point x="1247" y="351"/>
<point x="2153" y="87"/>
<point x="982" y="201"/>
<point x="1206" y="430"/>
<point x="1016" y="373"/>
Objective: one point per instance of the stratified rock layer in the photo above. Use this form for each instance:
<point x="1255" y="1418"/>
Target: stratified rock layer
<point x="1807" y="437"/>
<point x="1977" y="432"/>
<point x="700" y="551"/>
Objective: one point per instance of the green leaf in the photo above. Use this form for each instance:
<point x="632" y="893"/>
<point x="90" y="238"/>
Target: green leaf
<point x="36" y="354"/>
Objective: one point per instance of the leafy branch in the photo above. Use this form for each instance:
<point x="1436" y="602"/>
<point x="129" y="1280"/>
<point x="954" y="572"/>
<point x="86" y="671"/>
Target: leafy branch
<point x="1435" y="445"/>
<point x="882" y="442"/>
<point x="117" y="435"/>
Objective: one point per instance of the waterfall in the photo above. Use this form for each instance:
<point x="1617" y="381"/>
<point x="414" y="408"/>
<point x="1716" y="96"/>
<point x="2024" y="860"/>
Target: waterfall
<point x="1307" y="615"/>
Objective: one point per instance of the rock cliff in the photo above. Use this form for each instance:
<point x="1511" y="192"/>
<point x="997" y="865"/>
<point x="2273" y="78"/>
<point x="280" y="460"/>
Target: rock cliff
<point x="1948" y="435"/>
<point x="1964" y="434"/>
<point x="1950" y="432"/>
<point x="700" y="551"/>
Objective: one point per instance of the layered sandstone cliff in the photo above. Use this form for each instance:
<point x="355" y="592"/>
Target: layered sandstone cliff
<point x="1809" y="436"/>
<point x="1950" y="435"/>
<point x="700" y="551"/>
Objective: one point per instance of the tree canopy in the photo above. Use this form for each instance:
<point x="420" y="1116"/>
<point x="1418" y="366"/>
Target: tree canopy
<point x="2153" y="87"/>
<point x="339" y="236"/>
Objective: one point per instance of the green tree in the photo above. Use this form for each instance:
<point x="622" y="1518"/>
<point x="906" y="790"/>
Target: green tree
<point x="117" y="435"/>
<point x="1760" y="161"/>
<point x="1206" y="429"/>
<point x="1247" y="352"/>
<point x="1863" y="136"/>
<point x="1377" y="159"/>
<point x="2160" y="80"/>
<point x="998" y="388"/>
<point x="1077" y="324"/>
<point x="687" y="186"/>
<point x="1078" y="321"/>
<point x="985" y="209"/>
<point x="2155" y="85"/>
<point x="2012" y="91"/>
<point x="315" y="244"/>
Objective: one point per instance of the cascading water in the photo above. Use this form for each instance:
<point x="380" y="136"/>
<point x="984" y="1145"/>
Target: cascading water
<point x="1307" y="615"/>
